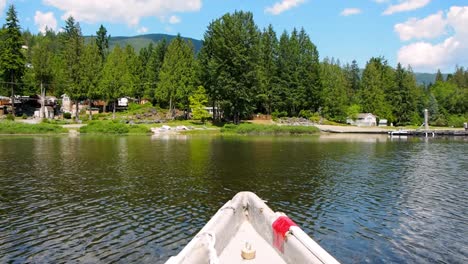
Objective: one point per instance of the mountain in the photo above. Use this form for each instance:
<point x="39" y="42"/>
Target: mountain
<point x="426" y="78"/>
<point x="141" y="41"/>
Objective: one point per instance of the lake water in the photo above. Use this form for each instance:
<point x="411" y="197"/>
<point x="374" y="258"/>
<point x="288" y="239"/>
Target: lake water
<point x="93" y="199"/>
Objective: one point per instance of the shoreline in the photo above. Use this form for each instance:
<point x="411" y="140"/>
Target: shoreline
<point x="73" y="129"/>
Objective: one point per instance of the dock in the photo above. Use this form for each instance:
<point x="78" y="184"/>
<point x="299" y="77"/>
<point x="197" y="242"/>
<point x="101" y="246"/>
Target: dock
<point x="393" y="132"/>
<point x="429" y="133"/>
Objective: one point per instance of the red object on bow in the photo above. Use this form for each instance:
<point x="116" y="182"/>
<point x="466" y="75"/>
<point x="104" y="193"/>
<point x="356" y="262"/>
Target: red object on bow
<point x="281" y="227"/>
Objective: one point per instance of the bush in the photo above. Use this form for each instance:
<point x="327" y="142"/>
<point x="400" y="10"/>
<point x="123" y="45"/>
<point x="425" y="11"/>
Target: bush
<point x="10" y="117"/>
<point x="275" y="115"/>
<point x="112" y="127"/>
<point x="67" y="115"/>
<point x="315" y="117"/>
<point x="9" y="127"/>
<point x="268" y="129"/>
<point x="24" y="116"/>
<point x="306" y="114"/>
<point x="456" y="121"/>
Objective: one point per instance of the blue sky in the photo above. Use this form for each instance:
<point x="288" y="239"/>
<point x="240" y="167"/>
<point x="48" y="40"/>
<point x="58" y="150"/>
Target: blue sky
<point x="426" y="34"/>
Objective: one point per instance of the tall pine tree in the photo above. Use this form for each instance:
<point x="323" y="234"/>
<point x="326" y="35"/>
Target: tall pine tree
<point x="12" y="59"/>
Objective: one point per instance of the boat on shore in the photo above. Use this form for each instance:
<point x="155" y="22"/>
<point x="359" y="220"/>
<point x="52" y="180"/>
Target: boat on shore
<point x="246" y="230"/>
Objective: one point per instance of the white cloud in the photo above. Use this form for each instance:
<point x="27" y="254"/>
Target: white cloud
<point x="284" y="5"/>
<point x="142" y="30"/>
<point x="174" y="20"/>
<point x="128" y="11"/>
<point x="351" y="11"/>
<point x="424" y="55"/>
<point x="45" y="20"/>
<point x="406" y="5"/>
<point x="2" y="6"/>
<point x="430" y="27"/>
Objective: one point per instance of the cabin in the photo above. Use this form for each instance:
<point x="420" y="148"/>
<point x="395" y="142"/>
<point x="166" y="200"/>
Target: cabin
<point x="383" y="122"/>
<point x="363" y="120"/>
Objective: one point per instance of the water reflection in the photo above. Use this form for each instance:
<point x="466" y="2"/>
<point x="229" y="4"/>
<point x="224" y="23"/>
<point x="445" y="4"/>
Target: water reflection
<point x="141" y="199"/>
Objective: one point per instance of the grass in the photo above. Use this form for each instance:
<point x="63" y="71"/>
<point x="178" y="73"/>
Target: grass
<point x="10" y="127"/>
<point x="247" y="128"/>
<point x="113" y="127"/>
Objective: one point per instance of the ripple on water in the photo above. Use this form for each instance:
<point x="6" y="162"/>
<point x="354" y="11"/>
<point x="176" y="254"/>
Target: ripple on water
<point x="140" y="200"/>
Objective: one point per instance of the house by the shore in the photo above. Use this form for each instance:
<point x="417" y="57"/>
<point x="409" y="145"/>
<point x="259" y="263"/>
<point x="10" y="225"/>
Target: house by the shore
<point x="363" y="120"/>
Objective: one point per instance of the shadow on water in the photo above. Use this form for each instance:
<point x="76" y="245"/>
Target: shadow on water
<point x="141" y="199"/>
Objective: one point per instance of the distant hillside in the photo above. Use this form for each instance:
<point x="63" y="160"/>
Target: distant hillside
<point x="141" y="41"/>
<point x="426" y="78"/>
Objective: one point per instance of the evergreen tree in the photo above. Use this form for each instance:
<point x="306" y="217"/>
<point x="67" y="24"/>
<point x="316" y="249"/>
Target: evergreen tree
<point x="12" y="59"/>
<point x="115" y="77"/>
<point x="288" y="61"/>
<point x="42" y="67"/>
<point x="198" y="101"/>
<point x="439" y="76"/>
<point x="73" y="46"/>
<point x="376" y="80"/>
<point x="134" y="89"/>
<point x="353" y="77"/>
<point x="402" y="97"/>
<point x="177" y="75"/>
<point x="91" y="67"/>
<point x="231" y="58"/>
<point x="333" y="81"/>
<point x="267" y="99"/>
<point x="309" y="73"/>
<point x="102" y="42"/>
<point x="153" y="67"/>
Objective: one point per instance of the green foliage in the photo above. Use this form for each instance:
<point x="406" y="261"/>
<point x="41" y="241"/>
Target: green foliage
<point x="115" y="76"/>
<point x="306" y="114"/>
<point x="457" y="120"/>
<point x="177" y="75"/>
<point x="230" y="61"/>
<point x="316" y="118"/>
<point x="12" y="59"/>
<point x="403" y="97"/>
<point x="73" y="46"/>
<point x="90" y="71"/>
<point x="10" y="117"/>
<point x="112" y="127"/>
<point x="67" y="115"/>
<point x="134" y="108"/>
<point x="244" y="71"/>
<point x="377" y="78"/>
<point x="102" y="43"/>
<point x="198" y="103"/>
<point x="353" y="110"/>
<point x="24" y="116"/>
<point x="9" y="127"/>
<point x="152" y="67"/>
<point x="276" y="114"/>
<point x="267" y="98"/>
<point x="248" y="128"/>
<point x="334" y="94"/>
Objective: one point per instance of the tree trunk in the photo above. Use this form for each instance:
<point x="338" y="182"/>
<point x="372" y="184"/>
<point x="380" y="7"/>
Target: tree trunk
<point x="42" y="112"/>
<point x="170" y="107"/>
<point x="77" y="111"/>
<point x="89" y="108"/>
<point x="236" y="118"/>
<point x="215" y="112"/>
<point x="113" y="111"/>
<point x="105" y="106"/>
<point x="12" y="100"/>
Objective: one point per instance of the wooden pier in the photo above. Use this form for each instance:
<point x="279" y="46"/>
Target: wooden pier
<point x="429" y="133"/>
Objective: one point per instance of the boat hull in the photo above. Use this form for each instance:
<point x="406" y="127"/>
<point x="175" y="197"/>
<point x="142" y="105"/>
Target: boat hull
<point x="246" y="218"/>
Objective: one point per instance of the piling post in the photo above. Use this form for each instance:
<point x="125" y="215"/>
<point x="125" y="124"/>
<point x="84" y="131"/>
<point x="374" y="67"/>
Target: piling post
<point x="426" y="119"/>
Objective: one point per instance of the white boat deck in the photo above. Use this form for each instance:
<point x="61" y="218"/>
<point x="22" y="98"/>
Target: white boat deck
<point x="265" y="253"/>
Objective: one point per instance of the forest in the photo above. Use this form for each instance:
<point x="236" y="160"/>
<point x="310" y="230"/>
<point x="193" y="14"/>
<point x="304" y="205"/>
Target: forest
<point x="243" y="71"/>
